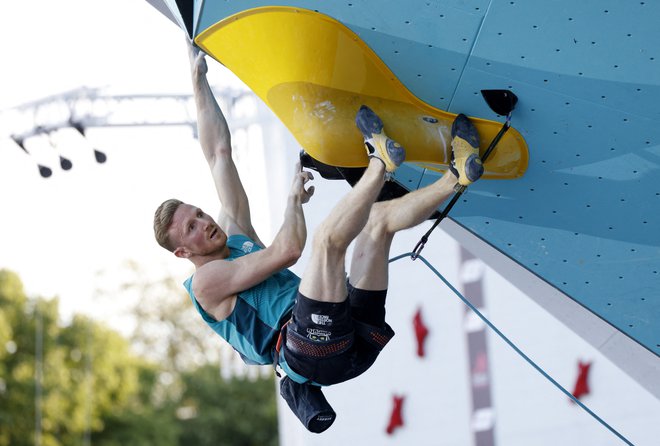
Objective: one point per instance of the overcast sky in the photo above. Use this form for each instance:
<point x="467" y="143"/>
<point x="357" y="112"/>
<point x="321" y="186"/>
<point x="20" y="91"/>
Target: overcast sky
<point x="59" y="233"/>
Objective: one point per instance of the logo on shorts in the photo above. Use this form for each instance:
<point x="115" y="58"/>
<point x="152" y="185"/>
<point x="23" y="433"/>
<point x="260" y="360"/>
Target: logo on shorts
<point x="321" y="319"/>
<point x="318" y="335"/>
<point x="247" y="247"/>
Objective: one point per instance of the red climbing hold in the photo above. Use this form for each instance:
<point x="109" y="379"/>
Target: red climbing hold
<point x="396" y="419"/>
<point x="581" y="384"/>
<point x="421" y="332"/>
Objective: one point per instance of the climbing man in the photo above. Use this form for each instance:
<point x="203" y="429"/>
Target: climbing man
<point x="321" y="329"/>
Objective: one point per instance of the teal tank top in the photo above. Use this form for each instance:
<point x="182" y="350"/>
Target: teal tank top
<point x="253" y="326"/>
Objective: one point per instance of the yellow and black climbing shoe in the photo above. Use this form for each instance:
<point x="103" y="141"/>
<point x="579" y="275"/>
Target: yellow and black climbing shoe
<point x="465" y="162"/>
<point x="378" y="144"/>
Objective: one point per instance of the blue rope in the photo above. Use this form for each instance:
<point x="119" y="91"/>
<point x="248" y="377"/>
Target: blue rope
<point x="513" y="346"/>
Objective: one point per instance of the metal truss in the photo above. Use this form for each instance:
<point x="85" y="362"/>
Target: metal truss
<point x="85" y="108"/>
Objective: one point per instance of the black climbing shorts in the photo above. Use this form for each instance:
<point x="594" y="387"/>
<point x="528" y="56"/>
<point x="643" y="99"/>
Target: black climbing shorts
<point x="329" y="343"/>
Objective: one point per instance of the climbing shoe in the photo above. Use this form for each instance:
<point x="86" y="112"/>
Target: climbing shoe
<point x="465" y="162"/>
<point x="378" y="144"/>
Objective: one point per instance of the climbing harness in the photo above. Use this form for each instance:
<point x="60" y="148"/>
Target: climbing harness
<point x="510" y="343"/>
<point x="278" y="347"/>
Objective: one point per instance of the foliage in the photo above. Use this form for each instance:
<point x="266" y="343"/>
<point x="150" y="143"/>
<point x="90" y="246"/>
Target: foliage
<point x="82" y="383"/>
<point x="143" y="420"/>
<point x="238" y="412"/>
<point x="169" y="330"/>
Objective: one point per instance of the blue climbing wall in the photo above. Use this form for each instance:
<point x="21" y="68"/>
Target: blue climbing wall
<point x="584" y="217"/>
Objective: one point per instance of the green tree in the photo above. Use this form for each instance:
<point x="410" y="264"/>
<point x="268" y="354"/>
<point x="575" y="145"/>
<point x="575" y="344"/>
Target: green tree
<point x="81" y="383"/>
<point x="169" y="331"/>
<point x="13" y="382"/>
<point x="61" y="385"/>
<point x="237" y="412"/>
<point x="167" y="328"/>
<point x="146" y="419"/>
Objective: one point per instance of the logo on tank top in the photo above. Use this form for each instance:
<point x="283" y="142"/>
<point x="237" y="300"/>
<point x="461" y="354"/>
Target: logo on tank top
<point x="247" y="247"/>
